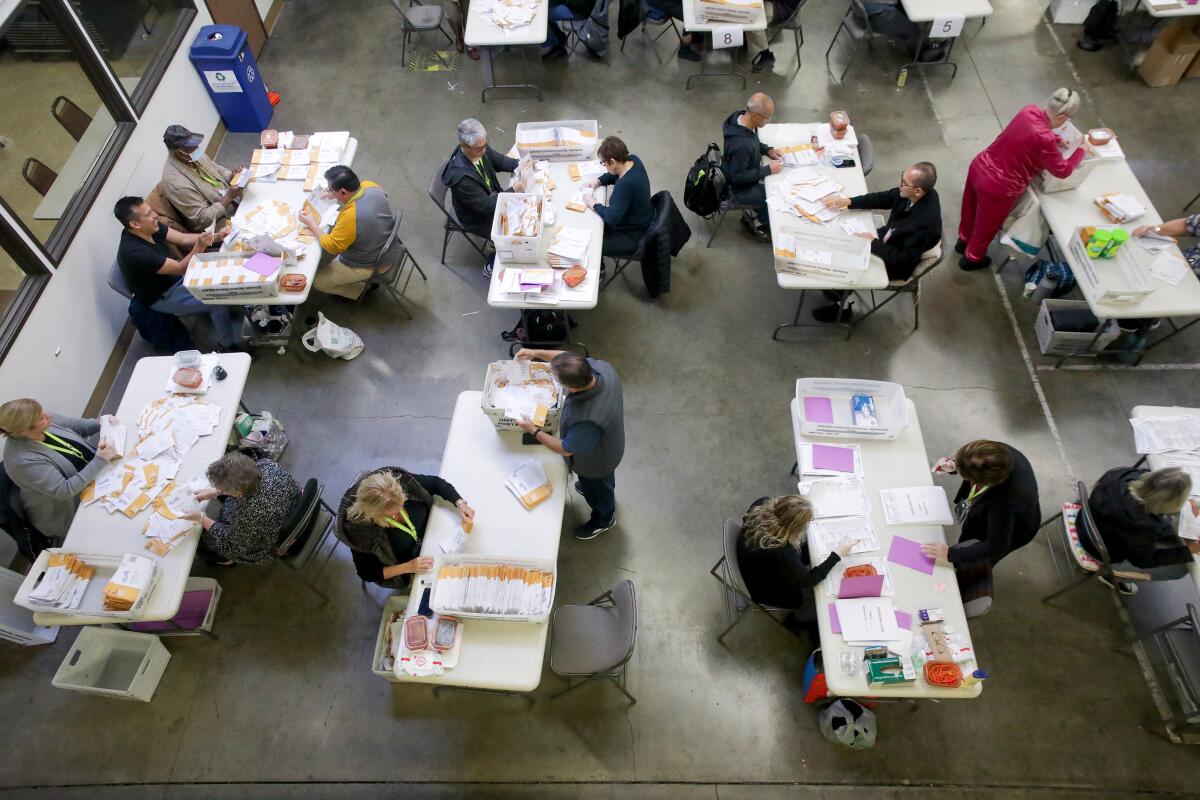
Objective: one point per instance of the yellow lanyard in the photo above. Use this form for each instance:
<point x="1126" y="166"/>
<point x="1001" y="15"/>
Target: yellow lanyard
<point x="204" y="176"/>
<point x="405" y="526"/>
<point x="487" y="183"/>
<point x="64" y="447"/>
<point x="975" y="492"/>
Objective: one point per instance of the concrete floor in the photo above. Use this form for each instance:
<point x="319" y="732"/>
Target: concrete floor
<point x="285" y="704"/>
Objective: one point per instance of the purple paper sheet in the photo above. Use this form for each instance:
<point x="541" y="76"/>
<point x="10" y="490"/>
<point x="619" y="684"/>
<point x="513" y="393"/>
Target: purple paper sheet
<point x="907" y="553"/>
<point x="827" y="456"/>
<point x="818" y="409"/>
<point x="262" y="263"/>
<point x="860" y="586"/>
<point x="903" y="619"/>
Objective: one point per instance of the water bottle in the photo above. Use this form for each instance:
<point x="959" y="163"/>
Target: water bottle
<point x="1045" y="288"/>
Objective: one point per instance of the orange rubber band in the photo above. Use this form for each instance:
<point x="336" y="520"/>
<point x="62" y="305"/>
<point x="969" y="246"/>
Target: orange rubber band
<point x="944" y="674"/>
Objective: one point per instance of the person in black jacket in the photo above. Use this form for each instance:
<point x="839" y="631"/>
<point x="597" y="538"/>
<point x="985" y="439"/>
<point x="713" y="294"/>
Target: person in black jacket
<point x="565" y="11"/>
<point x="772" y="554"/>
<point x="914" y="226"/>
<point x="628" y="213"/>
<point x="471" y="176"/>
<point x="743" y="165"/>
<point x="1133" y="509"/>
<point x="382" y="518"/>
<point x="996" y="505"/>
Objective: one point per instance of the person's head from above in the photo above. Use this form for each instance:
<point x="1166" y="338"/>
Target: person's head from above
<point x="984" y="462"/>
<point x="917" y="181"/>
<point x="183" y="144"/>
<point x="24" y="418"/>
<point x="136" y="215"/>
<point x="1163" y="491"/>
<point x="573" y="371"/>
<point x="342" y="182"/>
<point x="613" y="155"/>
<point x="234" y="475"/>
<point x="759" y="110"/>
<point x="778" y="522"/>
<point x="379" y="497"/>
<point x="1061" y="106"/>
<point x="472" y="138"/>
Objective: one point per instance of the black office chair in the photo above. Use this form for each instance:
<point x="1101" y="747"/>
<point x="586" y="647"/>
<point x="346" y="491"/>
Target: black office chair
<point x="300" y="538"/>
<point x="437" y="193"/>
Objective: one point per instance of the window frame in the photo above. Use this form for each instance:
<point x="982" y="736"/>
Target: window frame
<point x="34" y="263"/>
<point x="157" y="68"/>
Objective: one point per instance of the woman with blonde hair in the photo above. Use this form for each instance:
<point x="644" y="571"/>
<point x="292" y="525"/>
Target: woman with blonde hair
<point x="382" y="518"/>
<point x="1134" y="511"/>
<point x="772" y="554"/>
<point x="49" y="458"/>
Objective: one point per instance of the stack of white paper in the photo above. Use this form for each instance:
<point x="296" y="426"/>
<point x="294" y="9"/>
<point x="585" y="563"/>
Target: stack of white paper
<point x="916" y="505"/>
<point x="836" y="497"/>
<point x="827" y="534"/>
<point x="1122" y="207"/>
<point x="114" y="434"/>
<point x="133" y="577"/>
<point x="1169" y="267"/>
<point x="1152" y="435"/>
<point x="529" y="483"/>
<point x="868" y="620"/>
<point x="326" y="147"/>
<point x="63" y="584"/>
<point x="499" y="589"/>
<point x="569" y="247"/>
<point x="586" y="170"/>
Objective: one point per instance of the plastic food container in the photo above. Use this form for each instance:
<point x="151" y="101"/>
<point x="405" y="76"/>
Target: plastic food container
<point x="1100" y="136"/>
<point x="839" y="121"/>
<point x="188" y="377"/>
<point x="444" y="634"/>
<point x="416" y="633"/>
<point x="269" y="138"/>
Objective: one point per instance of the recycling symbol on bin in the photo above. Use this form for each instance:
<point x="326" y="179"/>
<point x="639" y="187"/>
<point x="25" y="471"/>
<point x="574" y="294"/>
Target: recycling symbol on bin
<point x="249" y="74"/>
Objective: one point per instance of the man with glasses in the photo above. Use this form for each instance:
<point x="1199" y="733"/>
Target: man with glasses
<point x="743" y="165"/>
<point x="471" y="175"/>
<point x="914" y="226"/>
<point x="194" y="184"/>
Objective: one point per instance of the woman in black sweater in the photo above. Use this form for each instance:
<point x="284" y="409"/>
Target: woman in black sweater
<point x="1133" y="511"/>
<point x="996" y="505"/>
<point x="772" y="554"/>
<point x="629" y="213"/>
<point x="382" y="518"/>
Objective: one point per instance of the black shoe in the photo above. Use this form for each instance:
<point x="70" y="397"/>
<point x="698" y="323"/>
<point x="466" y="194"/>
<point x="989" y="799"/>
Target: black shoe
<point x="960" y="247"/>
<point x="232" y="348"/>
<point x="831" y="295"/>
<point x="763" y="62"/>
<point x="932" y="53"/>
<point x="590" y="529"/>
<point x="1090" y="45"/>
<point x="555" y="52"/>
<point x="1124" y="587"/>
<point x="834" y="313"/>
<point x="688" y="53"/>
<point x="757" y="231"/>
<point x="968" y="265"/>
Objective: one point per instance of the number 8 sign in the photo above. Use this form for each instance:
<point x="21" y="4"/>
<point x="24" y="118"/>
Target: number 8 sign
<point x="724" y="36"/>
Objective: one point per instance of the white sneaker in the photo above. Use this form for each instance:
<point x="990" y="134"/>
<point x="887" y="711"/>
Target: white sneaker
<point x="1124" y="587"/>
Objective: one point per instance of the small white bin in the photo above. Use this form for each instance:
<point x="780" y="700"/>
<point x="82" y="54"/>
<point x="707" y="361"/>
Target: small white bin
<point x="556" y="140"/>
<point x="891" y="407"/>
<point x="1111" y="280"/>
<point x="811" y="251"/>
<point x="16" y="623"/>
<point x="214" y="276"/>
<point x="114" y="663"/>
<point x="437" y="598"/>
<point x="1066" y="343"/>
<point x="393" y="611"/>
<point x="517" y="249"/>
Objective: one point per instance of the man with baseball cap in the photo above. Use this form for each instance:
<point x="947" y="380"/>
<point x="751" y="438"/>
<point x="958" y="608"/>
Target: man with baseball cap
<point x="197" y="186"/>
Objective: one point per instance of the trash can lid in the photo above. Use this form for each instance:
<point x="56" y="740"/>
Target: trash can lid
<point x="218" y="41"/>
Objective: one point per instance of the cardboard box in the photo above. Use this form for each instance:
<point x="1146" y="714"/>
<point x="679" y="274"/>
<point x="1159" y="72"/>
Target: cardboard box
<point x="1062" y="343"/>
<point x="1194" y="70"/>
<point x="558" y="140"/>
<point x="1181" y="36"/>
<point x="1161" y="67"/>
<point x="537" y="371"/>
<point x="212" y="276"/>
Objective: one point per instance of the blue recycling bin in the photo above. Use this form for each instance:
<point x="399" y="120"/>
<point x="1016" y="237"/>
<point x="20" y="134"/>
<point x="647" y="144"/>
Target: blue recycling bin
<point x="231" y="76"/>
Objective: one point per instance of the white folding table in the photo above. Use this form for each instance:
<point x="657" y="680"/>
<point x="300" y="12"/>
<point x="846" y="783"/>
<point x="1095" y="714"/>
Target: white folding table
<point x="94" y="530"/>
<point x="491" y="39"/>
<point x="495" y="655"/>
<point x="1069" y="210"/>
<point x="308" y="259"/>
<point x="894" y="464"/>
<point x="853" y="183"/>
<point x="692" y="24"/>
<point x="921" y="11"/>
<point x="1156" y="461"/>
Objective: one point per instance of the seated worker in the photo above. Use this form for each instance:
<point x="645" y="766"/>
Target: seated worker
<point x="996" y="505"/>
<point x="674" y="9"/>
<point x="889" y="18"/>
<point x="565" y="11"/>
<point x="772" y="554"/>
<point x="155" y="276"/>
<point x="743" y="165"/>
<point x="1133" y="509"/>
<point x="1184" y="226"/>
<point x="628" y="214"/>
<point x="196" y="185"/>
<point x="471" y="176"/>
<point x="256" y="499"/>
<point x="364" y="223"/>
<point x="382" y="519"/>
<point x="50" y="460"/>
<point x="914" y="225"/>
<point x="757" y="42"/>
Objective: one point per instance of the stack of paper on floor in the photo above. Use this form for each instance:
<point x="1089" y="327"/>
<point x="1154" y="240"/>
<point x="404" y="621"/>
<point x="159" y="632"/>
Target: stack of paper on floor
<point x="529" y="484"/>
<point x="493" y="589"/>
<point x="134" y="576"/>
<point x="63" y="584"/>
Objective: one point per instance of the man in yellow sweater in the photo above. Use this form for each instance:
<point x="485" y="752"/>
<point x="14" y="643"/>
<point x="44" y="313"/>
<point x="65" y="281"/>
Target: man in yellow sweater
<point x="359" y="235"/>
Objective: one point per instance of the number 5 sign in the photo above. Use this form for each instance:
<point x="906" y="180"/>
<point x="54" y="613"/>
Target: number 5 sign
<point x="947" y="27"/>
<point x="726" y="36"/>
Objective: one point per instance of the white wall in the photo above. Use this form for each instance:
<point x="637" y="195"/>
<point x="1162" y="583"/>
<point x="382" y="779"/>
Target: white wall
<point x="77" y="312"/>
<point x="264" y="7"/>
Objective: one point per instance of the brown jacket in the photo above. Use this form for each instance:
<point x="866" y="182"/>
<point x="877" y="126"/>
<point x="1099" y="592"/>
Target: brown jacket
<point x="198" y="201"/>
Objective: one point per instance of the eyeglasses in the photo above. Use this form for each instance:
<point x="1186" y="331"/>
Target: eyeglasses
<point x="905" y="184"/>
<point x="604" y="162"/>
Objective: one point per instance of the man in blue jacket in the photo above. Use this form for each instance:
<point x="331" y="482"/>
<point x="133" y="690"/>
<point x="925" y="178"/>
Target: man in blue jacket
<point x="743" y="161"/>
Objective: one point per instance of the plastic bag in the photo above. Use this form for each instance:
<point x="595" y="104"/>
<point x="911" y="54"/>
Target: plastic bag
<point x="332" y="339"/>
<point x="846" y="722"/>
<point x="262" y="433"/>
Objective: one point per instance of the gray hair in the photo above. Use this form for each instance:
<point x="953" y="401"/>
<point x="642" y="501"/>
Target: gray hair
<point x="1163" y="491"/>
<point x="470" y="131"/>
<point x="1063" y="101"/>
<point x="759" y="102"/>
<point x="235" y="473"/>
<point x="924" y="174"/>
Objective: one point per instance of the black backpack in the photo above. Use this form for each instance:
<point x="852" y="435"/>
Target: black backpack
<point x="705" y="187"/>
<point x="542" y="327"/>
<point x="593" y="31"/>
<point x="1101" y="21"/>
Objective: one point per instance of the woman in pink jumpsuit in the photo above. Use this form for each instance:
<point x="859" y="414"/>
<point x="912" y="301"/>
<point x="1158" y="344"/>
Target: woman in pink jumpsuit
<point x="1001" y="173"/>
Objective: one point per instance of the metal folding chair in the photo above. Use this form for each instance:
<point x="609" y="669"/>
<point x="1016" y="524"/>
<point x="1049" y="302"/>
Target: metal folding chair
<point x="792" y="23"/>
<point x="929" y="261"/>
<point x="859" y="32"/>
<point x="595" y="640"/>
<point x="652" y="16"/>
<point x="437" y="193"/>
<point x="727" y="205"/>
<point x="418" y="19"/>
<point x="300" y="539"/>
<point x="1178" y="656"/>
<point x="738" y="602"/>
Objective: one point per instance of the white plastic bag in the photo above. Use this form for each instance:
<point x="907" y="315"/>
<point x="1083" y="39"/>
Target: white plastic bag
<point x="334" y="340"/>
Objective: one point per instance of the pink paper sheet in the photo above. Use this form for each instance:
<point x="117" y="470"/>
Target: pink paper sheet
<point x="907" y="553"/>
<point x="818" y="409"/>
<point x="827" y="456"/>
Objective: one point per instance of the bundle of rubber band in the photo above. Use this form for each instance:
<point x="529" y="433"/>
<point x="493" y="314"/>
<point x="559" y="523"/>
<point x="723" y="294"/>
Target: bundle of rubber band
<point x="943" y="674"/>
<point x="859" y="571"/>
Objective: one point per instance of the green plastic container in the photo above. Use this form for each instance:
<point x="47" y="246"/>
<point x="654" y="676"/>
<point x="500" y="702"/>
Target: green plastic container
<point x="1117" y="238"/>
<point x="1096" y="245"/>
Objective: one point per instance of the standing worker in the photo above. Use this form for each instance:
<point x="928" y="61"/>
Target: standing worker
<point x="592" y="424"/>
<point x="1001" y="173"/>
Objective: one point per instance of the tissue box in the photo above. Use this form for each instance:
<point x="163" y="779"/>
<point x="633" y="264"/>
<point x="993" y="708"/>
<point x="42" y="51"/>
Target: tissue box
<point x="214" y="276"/>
